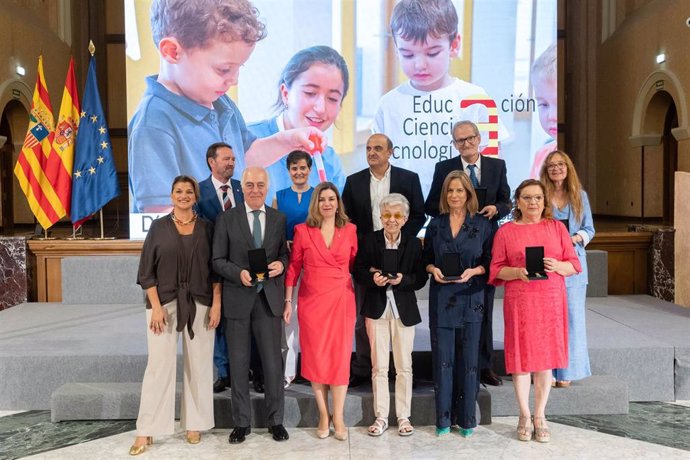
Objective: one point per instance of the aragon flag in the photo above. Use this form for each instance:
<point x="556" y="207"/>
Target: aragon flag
<point x="33" y="162"/>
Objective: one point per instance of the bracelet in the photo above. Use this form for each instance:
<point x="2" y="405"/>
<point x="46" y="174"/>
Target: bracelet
<point x="288" y="300"/>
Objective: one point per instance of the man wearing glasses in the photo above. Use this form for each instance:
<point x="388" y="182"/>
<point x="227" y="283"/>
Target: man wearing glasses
<point x="488" y="176"/>
<point x="362" y="195"/>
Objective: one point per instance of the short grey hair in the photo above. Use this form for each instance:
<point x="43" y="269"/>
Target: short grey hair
<point x="257" y="169"/>
<point x="395" y="199"/>
<point x="465" y="123"/>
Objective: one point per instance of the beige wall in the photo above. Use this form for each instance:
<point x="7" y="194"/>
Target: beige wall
<point x="27" y="29"/>
<point x="625" y="62"/>
<point x="682" y="240"/>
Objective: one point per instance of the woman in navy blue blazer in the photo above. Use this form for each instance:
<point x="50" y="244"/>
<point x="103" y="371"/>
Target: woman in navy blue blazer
<point x="462" y="238"/>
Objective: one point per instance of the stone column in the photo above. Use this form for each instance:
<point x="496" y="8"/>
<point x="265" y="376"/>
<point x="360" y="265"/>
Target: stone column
<point x="13" y="271"/>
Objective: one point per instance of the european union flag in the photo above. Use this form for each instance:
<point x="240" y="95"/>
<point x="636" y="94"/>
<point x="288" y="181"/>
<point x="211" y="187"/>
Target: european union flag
<point x="94" y="178"/>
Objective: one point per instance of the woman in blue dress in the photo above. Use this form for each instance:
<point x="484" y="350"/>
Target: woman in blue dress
<point x="456" y="307"/>
<point x="311" y="90"/>
<point x="570" y="203"/>
<point x="294" y="203"/>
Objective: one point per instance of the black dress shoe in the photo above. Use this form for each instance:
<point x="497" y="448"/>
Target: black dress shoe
<point x="489" y="377"/>
<point x="258" y="386"/>
<point x="279" y="433"/>
<point x="358" y="380"/>
<point x="239" y="434"/>
<point x="221" y="384"/>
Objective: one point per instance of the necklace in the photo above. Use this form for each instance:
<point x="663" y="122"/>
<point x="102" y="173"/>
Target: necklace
<point x="186" y="222"/>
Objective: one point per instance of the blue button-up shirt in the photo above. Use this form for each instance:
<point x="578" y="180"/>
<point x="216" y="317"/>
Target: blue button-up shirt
<point x="169" y="135"/>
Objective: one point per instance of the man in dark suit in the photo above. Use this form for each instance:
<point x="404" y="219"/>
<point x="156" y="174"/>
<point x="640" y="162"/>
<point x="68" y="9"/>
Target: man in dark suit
<point x="485" y="173"/>
<point x="250" y="306"/>
<point x="361" y="196"/>
<point x="217" y="193"/>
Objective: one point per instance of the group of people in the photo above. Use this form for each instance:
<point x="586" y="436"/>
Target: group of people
<point x="325" y="254"/>
<point x="325" y="241"/>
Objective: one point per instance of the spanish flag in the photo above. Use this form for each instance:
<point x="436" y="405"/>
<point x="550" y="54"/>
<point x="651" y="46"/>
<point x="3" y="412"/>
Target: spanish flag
<point x="32" y="164"/>
<point x="62" y="156"/>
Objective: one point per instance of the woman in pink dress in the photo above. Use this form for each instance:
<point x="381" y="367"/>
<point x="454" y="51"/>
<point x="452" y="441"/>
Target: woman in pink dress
<point x="323" y="251"/>
<point x="535" y="311"/>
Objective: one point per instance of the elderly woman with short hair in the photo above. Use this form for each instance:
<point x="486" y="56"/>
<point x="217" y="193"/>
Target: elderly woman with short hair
<point x="390" y="309"/>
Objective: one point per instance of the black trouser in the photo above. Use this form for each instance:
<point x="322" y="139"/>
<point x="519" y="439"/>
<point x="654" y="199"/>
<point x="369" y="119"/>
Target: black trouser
<point x="486" y="341"/>
<point x="454" y="353"/>
<point x="266" y="329"/>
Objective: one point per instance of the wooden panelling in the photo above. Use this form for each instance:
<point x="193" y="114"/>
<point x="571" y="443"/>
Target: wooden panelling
<point x="116" y="86"/>
<point x="115" y="16"/>
<point x="628" y="259"/>
<point x="46" y="259"/>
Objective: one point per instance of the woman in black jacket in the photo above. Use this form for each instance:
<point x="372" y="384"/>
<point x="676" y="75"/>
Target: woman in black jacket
<point x="390" y="308"/>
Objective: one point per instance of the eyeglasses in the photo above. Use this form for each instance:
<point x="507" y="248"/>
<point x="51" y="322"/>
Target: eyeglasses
<point x="554" y="166"/>
<point x="530" y="198"/>
<point x="396" y="216"/>
<point x="464" y="140"/>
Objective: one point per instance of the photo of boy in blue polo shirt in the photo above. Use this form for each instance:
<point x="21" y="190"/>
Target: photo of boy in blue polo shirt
<point x="202" y="45"/>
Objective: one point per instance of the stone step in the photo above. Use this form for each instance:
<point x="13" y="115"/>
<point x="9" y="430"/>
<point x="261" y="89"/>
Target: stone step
<point x="120" y="401"/>
<point x="596" y="395"/>
<point x="601" y="394"/>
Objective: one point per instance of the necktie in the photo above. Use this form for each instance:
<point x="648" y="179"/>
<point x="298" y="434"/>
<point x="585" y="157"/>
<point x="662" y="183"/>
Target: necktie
<point x="473" y="176"/>
<point x="227" y="204"/>
<point x="258" y="241"/>
<point x="256" y="229"/>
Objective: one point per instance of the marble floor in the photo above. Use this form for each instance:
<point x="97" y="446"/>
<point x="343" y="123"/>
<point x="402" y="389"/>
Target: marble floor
<point x="651" y="430"/>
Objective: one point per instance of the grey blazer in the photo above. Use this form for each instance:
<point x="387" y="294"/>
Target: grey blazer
<point x="231" y="241"/>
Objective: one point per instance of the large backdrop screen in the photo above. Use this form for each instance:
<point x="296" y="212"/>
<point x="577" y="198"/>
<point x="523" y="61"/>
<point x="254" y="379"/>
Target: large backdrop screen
<point x="501" y="74"/>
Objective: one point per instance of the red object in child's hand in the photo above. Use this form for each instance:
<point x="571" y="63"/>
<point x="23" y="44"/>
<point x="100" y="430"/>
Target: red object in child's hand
<point x="316" y="140"/>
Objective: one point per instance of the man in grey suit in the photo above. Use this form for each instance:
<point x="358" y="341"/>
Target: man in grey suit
<point x="253" y="307"/>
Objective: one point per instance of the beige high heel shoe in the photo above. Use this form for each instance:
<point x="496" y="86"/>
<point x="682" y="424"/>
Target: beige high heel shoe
<point x="140" y="449"/>
<point x="323" y="434"/>
<point x="340" y="435"/>
<point x="193" y="437"/>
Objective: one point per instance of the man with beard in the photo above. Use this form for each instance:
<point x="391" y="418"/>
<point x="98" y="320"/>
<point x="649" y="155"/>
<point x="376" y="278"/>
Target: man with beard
<point x="218" y="193"/>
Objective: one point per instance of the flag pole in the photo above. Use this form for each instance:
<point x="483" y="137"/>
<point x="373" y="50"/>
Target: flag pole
<point x="74" y="234"/>
<point x="93" y="156"/>
<point x="102" y="237"/>
<point x="43" y="236"/>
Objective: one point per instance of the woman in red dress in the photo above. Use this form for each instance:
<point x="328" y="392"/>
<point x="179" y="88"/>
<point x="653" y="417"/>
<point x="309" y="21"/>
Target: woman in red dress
<point x="323" y="251"/>
<point x="535" y="312"/>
